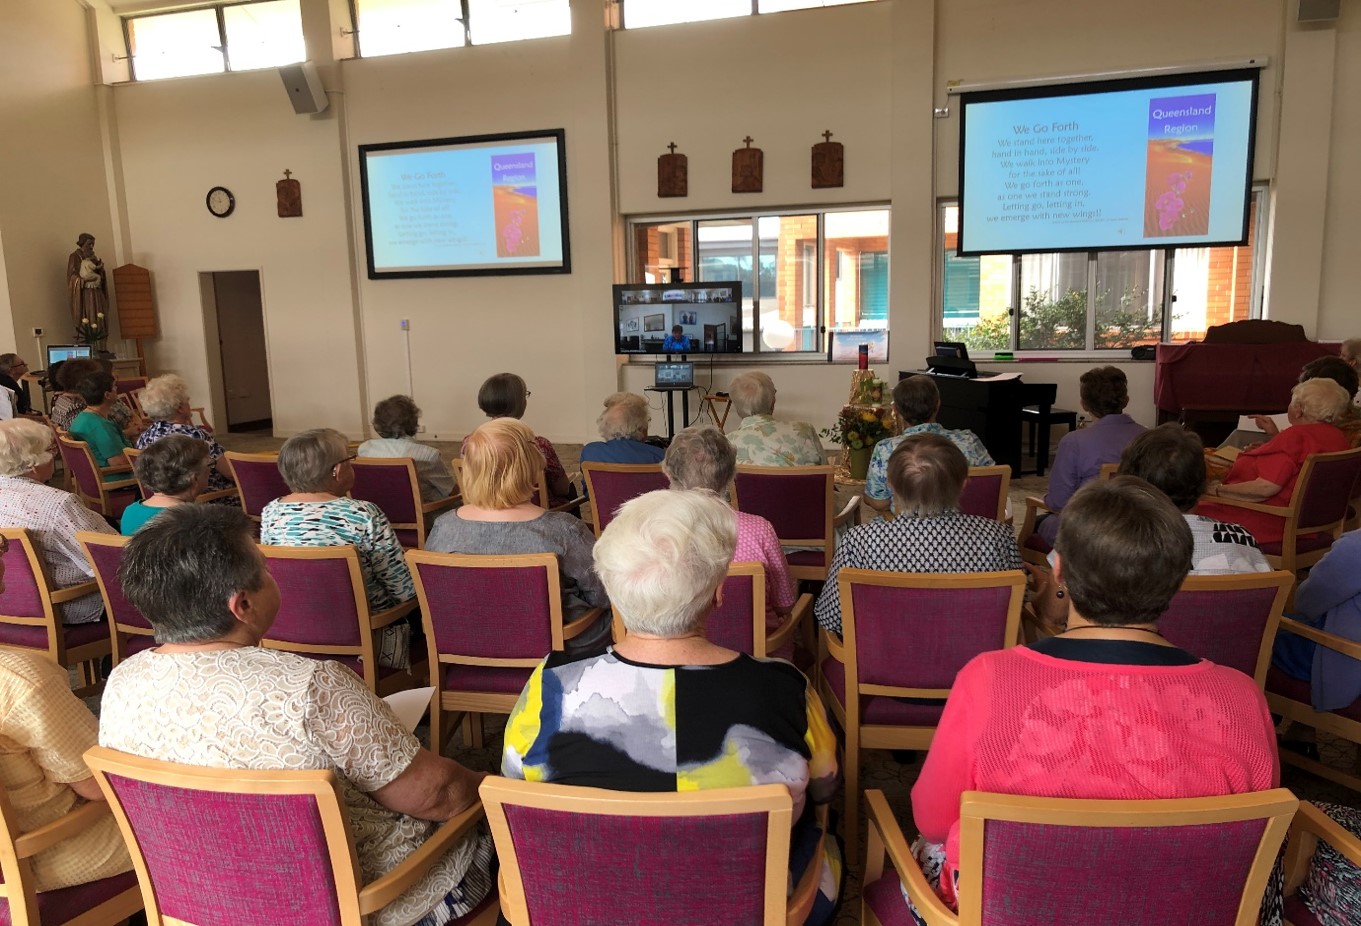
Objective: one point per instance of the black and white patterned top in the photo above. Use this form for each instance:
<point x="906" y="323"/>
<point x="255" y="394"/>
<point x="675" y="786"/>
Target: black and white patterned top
<point x="949" y="542"/>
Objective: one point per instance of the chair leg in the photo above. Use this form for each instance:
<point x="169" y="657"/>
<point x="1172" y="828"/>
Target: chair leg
<point x="436" y="726"/>
<point x="850" y="827"/>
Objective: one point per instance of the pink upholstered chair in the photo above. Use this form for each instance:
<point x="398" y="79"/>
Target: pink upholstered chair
<point x="392" y="485"/>
<point x="609" y="485"/>
<point x="254" y="848"/>
<point x="1034" y="861"/>
<point x="97" y="903"/>
<point x="130" y="631"/>
<point x="906" y="636"/>
<point x="105" y="498"/>
<point x="258" y="480"/>
<point x="1312" y="825"/>
<point x="798" y="503"/>
<point x="29" y="619"/>
<point x="324" y="613"/>
<point x="1229" y="620"/>
<point x="489" y="620"/>
<point x="719" y="856"/>
<point x="985" y="492"/>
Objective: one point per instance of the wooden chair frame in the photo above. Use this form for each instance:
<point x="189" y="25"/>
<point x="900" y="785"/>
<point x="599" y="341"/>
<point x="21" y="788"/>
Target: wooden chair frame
<point x="588" y="468"/>
<point x="233" y="456"/>
<point x="1309" y="827"/>
<point x="19" y="890"/>
<point x="832" y="519"/>
<point x="58" y="463"/>
<point x="133" y="453"/>
<point x="886" y="736"/>
<point x="773" y="800"/>
<point x="1289" y="559"/>
<point x="540" y="488"/>
<point x="356" y="900"/>
<point x="1276" y="807"/>
<point x="1328" y="721"/>
<point x="427" y="509"/>
<point x="365" y="650"/>
<point x="102" y="504"/>
<point x="478" y="703"/>
<point x="86" y="657"/>
<point x="116" y="631"/>
<point x="1003" y="496"/>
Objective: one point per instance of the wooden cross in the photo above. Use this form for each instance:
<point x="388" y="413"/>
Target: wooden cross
<point x="748" y="140"/>
<point x="287" y="173"/>
<point x="827" y="136"/>
<point x="671" y="147"/>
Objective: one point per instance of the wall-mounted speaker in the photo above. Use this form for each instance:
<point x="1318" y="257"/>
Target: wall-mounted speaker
<point x="1318" y="11"/>
<point x="304" y="87"/>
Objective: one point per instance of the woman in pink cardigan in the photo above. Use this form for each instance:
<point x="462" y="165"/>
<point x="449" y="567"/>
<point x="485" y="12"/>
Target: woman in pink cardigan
<point x="1108" y="708"/>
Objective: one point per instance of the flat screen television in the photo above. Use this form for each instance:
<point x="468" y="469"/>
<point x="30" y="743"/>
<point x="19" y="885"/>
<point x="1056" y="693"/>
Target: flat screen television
<point x="479" y="205"/>
<point x="709" y="316"/>
<point x="59" y="352"/>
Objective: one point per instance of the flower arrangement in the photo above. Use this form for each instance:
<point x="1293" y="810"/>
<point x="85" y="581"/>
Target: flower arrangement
<point x="857" y="429"/>
<point x="92" y="332"/>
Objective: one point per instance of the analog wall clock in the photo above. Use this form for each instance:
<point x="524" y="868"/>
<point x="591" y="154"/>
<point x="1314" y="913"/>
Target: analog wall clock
<point x="221" y="202"/>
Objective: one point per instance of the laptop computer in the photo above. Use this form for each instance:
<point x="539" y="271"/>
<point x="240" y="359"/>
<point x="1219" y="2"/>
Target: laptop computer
<point x="674" y="375"/>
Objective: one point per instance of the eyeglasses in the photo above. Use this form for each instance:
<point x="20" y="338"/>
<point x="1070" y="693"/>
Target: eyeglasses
<point x="353" y="456"/>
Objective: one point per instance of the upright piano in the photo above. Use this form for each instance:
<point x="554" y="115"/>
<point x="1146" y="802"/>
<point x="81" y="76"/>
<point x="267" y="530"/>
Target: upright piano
<point x="990" y="406"/>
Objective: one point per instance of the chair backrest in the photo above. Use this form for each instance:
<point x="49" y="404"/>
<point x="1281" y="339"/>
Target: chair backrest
<point x="258" y="480"/>
<point x="247" y="847"/>
<point x="131" y="384"/>
<point x="611" y="484"/>
<point x="985" y="492"/>
<point x="323" y="609"/>
<point x="80" y="463"/>
<point x="105" y="552"/>
<point x="651" y="857"/>
<point x="489" y="610"/>
<point x="1326" y="484"/>
<point x="909" y="634"/>
<point x="27" y="616"/>
<point x="1203" y="860"/>
<point x="739" y="623"/>
<point x="391" y="484"/>
<point x="132" y="453"/>
<point x="796" y="500"/>
<point x="1229" y="620"/>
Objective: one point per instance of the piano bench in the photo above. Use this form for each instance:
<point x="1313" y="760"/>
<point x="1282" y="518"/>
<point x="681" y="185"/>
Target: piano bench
<point x="1034" y="418"/>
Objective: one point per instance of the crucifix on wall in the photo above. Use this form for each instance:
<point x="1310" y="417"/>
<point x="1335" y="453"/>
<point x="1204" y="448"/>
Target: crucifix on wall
<point x="748" y="168"/>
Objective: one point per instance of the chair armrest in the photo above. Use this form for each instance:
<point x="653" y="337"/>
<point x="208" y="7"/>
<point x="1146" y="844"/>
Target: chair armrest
<point x="850" y="514"/>
<point x="572" y="505"/>
<point x="1321" y="637"/>
<point x="440" y="504"/>
<point x="797" y="615"/>
<point x="835" y="648"/>
<point x="71" y="823"/>
<point x="216" y="494"/>
<point x="1033" y="508"/>
<point x="383" y="618"/>
<point x="72" y="592"/>
<point x="1306" y="829"/>
<point x="1276" y="510"/>
<point x="202" y="418"/>
<point x="892" y="842"/>
<point x="388" y="888"/>
<point x="572" y="629"/>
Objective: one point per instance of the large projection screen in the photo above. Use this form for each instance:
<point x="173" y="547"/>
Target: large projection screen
<point x="473" y="206"/>
<point x="1151" y="162"/>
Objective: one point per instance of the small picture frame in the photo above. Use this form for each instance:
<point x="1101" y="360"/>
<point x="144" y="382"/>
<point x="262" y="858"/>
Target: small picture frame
<point x="689" y="318"/>
<point x="633" y="324"/>
<point x="654" y="322"/>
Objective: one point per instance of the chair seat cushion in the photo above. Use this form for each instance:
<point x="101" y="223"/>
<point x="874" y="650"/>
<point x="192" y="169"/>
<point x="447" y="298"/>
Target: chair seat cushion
<point x="806" y="558"/>
<point x="1038" y="544"/>
<point x="885" y="898"/>
<point x="62" y="906"/>
<point x="1297" y="914"/>
<point x="1305" y="543"/>
<point x="902" y="712"/>
<point x="498" y="679"/>
<point x="136" y="643"/>
<point x="32" y="637"/>
<point x="408" y="537"/>
<point x="1278" y="683"/>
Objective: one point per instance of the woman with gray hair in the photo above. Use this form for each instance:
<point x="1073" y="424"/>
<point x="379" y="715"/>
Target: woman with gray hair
<point x="702" y="458"/>
<point x="175" y="469"/>
<point x="664" y="709"/>
<point x="166" y="402"/>
<point x="930" y="534"/>
<point x="760" y="438"/>
<point x="623" y="432"/>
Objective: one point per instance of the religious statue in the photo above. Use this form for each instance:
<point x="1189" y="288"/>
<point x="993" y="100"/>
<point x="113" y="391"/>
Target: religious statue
<point x="86" y="284"/>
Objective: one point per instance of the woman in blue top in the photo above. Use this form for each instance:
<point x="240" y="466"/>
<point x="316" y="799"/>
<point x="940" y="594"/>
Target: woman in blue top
<point x="93" y="426"/>
<point x="175" y="469"/>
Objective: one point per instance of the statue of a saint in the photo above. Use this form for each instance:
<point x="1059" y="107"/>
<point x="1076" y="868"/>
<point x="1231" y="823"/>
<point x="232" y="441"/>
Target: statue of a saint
<point x="86" y="283"/>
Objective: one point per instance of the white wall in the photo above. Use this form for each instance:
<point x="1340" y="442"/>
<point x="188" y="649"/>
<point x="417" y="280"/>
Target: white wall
<point x="1340" y="290"/>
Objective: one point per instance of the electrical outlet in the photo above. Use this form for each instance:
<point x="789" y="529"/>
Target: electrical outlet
<point x="406" y="324"/>
<point x="37" y="332"/>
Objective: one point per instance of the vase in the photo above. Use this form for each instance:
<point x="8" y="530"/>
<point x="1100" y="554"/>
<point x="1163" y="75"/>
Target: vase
<point x="858" y="461"/>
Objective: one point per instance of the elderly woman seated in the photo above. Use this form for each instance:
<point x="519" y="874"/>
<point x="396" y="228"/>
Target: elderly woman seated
<point x="97" y="429"/>
<point x="175" y="469"/>
<point x="930" y="534"/>
<point x="210" y="695"/>
<point x="664" y="709"/>
<point x="505" y="395"/>
<point x="396" y="420"/>
<point x="1266" y="474"/>
<point x="760" y="438"/>
<point x="1101" y="710"/>
<point x="166" y="401"/>
<point x="623" y="432"/>
<point x="51" y="516"/>
<point x="500" y="466"/>
<point x="1340" y="372"/>
<point x="702" y="458"/>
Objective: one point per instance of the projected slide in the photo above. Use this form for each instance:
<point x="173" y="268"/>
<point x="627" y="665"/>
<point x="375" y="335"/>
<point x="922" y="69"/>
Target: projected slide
<point x="449" y="207"/>
<point x="1127" y="164"/>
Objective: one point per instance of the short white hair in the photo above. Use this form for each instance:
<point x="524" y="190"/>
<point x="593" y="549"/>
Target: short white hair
<point x="1320" y="399"/>
<point x="662" y="558"/>
<point x="626" y="416"/>
<point x="24" y="445"/>
<point x="163" y="396"/>
<point x="752" y="394"/>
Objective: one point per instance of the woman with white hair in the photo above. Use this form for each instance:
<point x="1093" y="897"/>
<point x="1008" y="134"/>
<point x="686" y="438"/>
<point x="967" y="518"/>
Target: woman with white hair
<point x="760" y="438"/>
<point x="623" y="433"/>
<point x="664" y="709"/>
<point x="166" y="402"/>
<point x="1266" y="474"/>
<point x="51" y="516"/>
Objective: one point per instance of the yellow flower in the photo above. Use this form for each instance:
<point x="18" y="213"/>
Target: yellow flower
<point x="84" y="321"/>
<point x="868" y="416"/>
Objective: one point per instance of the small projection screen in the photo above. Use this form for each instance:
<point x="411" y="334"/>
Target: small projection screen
<point x="1151" y="162"/>
<point x="474" y="206"/>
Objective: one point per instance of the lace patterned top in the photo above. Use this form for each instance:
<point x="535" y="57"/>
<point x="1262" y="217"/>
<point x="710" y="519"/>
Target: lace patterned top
<point x="254" y="708"/>
<point x="66" y="406"/>
<point x="761" y="440"/>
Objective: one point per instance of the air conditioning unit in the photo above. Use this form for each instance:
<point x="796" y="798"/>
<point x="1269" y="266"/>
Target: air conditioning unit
<point x="666" y="245"/>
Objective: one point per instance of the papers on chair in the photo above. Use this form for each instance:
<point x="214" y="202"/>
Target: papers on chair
<point x="410" y="706"/>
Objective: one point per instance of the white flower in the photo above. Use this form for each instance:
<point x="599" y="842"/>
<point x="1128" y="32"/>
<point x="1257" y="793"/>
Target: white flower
<point x="84" y="321"/>
<point x="99" y="314"/>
